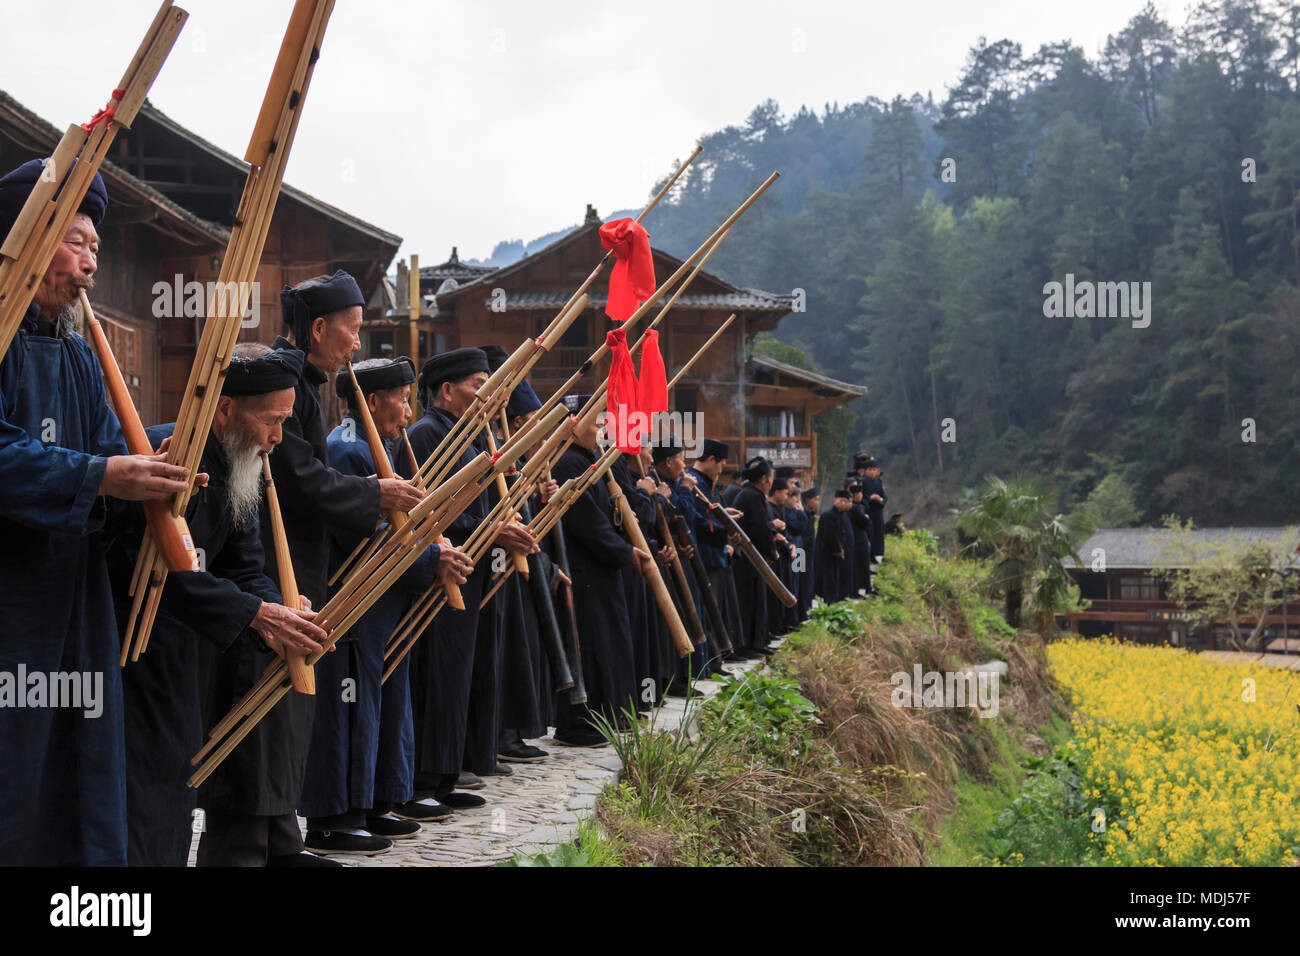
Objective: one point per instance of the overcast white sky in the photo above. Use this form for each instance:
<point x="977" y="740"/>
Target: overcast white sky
<point x="467" y="123"/>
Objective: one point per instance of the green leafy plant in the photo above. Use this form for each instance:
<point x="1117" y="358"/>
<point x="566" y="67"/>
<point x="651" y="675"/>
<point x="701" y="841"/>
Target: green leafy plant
<point x="839" y="618"/>
<point x="771" y="701"/>
<point x="590" y="846"/>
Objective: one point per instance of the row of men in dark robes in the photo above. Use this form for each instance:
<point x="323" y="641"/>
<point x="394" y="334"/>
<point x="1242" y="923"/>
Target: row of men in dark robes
<point x="365" y="760"/>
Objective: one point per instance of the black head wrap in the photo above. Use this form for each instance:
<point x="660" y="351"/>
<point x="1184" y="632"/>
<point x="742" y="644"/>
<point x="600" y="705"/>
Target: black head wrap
<point x="451" y="366"/>
<point x="304" y="303"/>
<point x="665" y="449"/>
<point x="523" y="400"/>
<point x="277" y="369"/>
<point x="780" y="484"/>
<point x="496" y="356"/>
<point x="784" y="471"/>
<point x="711" y="447"/>
<point x="755" y="469"/>
<point x="376" y="375"/>
<point x="813" y="492"/>
<point x="18" y="184"/>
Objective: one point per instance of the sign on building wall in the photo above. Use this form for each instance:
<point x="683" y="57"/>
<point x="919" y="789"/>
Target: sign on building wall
<point x="800" y="457"/>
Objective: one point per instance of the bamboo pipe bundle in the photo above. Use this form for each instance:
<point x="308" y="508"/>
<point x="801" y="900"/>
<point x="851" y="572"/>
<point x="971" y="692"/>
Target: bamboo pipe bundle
<point x="301" y="676"/>
<point x="672" y="280"/>
<point x="482" y="536"/>
<point x="357" y="595"/>
<point x="551" y="512"/>
<point x="495" y="392"/>
<point x="695" y="628"/>
<point x="170" y="531"/>
<point x="268" y="153"/>
<point x="595" y="273"/>
<point x="451" y="446"/>
<point x="476" y="545"/>
<point x="43" y="221"/>
<point x="598" y="393"/>
<point x="442" y="541"/>
<point x="517" y="557"/>
<point x="447" y="502"/>
<point x="439" y="508"/>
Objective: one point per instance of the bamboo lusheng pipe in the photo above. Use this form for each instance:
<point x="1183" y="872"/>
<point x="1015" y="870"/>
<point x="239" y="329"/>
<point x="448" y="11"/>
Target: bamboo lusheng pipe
<point x="43" y="221"/>
<point x="517" y="557"/>
<point x="420" y="613"/>
<point x="707" y="597"/>
<point x="494" y="393"/>
<point x="514" y="370"/>
<point x="443" y="541"/>
<point x="397" y="520"/>
<point x="301" y="675"/>
<point x="441" y="507"/>
<point x="450" y="447"/>
<point x="598" y="393"/>
<point x="337" y="616"/>
<point x="359" y="592"/>
<point x="709" y="243"/>
<point x="694" y="627"/>
<point x="375" y="442"/>
<point x="238" y="271"/>
<point x="418" y="618"/>
<point x="667" y="610"/>
<point x="481" y="537"/>
<point x="170" y="531"/>
<point x="750" y="552"/>
<point x="275" y="673"/>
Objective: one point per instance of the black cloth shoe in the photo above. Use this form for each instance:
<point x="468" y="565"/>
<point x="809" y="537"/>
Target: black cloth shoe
<point x="469" y="781"/>
<point x="522" y="753"/>
<point x="303" y="858"/>
<point x="387" y="825"/>
<point x="736" y="657"/>
<point x="580" y="738"/>
<point x="423" y="810"/>
<point x="680" y="689"/>
<point x="463" y="801"/>
<point x="354" y="842"/>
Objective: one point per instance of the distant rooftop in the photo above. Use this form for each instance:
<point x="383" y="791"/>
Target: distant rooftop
<point x="455" y="270"/>
<point x="1145" y="547"/>
<point x="822" y="384"/>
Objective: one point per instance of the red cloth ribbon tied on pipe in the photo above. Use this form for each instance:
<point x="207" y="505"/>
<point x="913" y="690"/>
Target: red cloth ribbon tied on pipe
<point x="624" y="422"/>
<point x="632" y="280"/>
<point x="652" y="385"/>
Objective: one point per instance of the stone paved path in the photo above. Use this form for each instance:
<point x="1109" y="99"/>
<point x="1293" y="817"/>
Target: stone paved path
<point x="532" y="810"/>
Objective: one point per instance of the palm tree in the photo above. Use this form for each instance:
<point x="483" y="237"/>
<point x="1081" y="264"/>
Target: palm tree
<point x="1009" y="523"/>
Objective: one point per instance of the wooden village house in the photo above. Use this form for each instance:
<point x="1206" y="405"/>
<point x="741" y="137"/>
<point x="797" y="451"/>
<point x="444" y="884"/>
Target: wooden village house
<point x="1128" y="598"/>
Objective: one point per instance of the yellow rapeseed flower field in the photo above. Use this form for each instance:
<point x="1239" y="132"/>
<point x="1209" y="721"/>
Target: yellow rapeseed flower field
<point x="1194" y="762"/>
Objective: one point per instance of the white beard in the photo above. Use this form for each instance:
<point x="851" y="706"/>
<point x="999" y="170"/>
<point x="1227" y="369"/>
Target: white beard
<point x="244" y="483"/>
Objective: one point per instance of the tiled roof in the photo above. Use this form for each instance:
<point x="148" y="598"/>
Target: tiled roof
<point x="115" y="174"/>
<point x="1144" y="547"/>
<point x="151" y="112"/>
<point x="815" y="379"/>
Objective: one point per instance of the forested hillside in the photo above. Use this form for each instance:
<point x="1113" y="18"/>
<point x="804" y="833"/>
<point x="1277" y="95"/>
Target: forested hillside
<point x="924" y="231"/>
